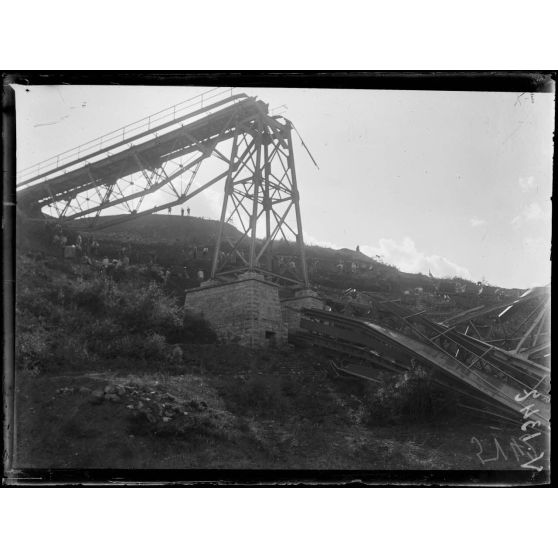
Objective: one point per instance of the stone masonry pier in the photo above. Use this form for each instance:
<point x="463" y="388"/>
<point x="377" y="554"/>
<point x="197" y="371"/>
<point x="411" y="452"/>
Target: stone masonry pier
<point x="245" y="311"/>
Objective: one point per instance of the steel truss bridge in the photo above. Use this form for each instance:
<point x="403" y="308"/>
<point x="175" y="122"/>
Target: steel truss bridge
<point x="521" y="327"/>
<point x="230" y="138"/>
<point x="485" y="378"/>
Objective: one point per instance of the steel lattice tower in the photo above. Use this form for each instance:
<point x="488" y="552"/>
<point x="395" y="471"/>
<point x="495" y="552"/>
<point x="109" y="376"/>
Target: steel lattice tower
<point x="243" y="149"/>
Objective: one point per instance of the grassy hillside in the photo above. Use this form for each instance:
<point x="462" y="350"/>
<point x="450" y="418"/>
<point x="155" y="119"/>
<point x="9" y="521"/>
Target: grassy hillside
<point x="111" y="372"/>
<point x="171" y="237"/>
<point x="165" y="228"/>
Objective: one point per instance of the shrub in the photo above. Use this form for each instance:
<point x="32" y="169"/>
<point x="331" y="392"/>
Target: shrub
<point x="411" y="397"/>
<point x="67" y="322"/>
<point x="39" y="303"/>
<point x="194" y="330"/>
<point x="155" y="347"/>
<point x="145" y="309"/>
<point x="90" y="296"/>
<point x="257" y="397"/>
<point x="32" y="350"/>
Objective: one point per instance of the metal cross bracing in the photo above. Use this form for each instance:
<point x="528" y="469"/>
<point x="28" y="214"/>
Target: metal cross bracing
<point x="497" y="369"/>
<point x="119" y="175"/>
<point x="498" y="374"/>
<point x="521" y="327"/>
<point x="130" y="132"/>
<point x="260" y="194"/>
<point x="494" y="388"/>
<point x="233" y="143"/>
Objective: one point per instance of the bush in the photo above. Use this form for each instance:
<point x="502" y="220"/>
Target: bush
<point x="412" y="397"/>
<point x="41" y="303"/>
<point x="145" y="309"/>
<point x="90" y="296"/>
<point x="257" y="397"/>
<point x="194" y="330"/>
<point x="155" y="348"/>
<point x="62" y="322"/>
<point x="32" y="350"/>
<point x="125" y="313"/>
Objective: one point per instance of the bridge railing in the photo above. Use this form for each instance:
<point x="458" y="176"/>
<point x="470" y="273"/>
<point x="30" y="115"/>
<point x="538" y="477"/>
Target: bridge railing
<point x="121" y="134"/>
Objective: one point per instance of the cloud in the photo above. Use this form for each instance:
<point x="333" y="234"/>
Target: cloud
<point x="533" y="212"/>
<point x="527" y="184"/>
<point x="476" y="222"/>
<point x="312" y="240"/>
<point x="405" y="256"/>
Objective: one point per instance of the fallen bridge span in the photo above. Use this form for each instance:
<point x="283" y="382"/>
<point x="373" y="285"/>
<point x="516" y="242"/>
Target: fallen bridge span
<point x="392" y="350"/>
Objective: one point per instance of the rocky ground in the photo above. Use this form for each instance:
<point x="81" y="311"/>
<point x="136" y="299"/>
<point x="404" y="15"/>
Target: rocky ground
<point x="308" y="419"/>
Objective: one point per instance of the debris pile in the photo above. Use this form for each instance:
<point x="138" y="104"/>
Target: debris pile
<point x="390" y="338"/>
<point x="151" y="401"/>
<point x="157" y="401"/>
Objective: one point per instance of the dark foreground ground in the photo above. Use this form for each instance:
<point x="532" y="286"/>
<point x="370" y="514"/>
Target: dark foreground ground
<point x="285" y="410"/>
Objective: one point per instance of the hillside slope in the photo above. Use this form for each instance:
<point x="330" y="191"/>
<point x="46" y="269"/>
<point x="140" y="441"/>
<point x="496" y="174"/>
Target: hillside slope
<point x="110" y="372"/>
<point x="173" y="237"/>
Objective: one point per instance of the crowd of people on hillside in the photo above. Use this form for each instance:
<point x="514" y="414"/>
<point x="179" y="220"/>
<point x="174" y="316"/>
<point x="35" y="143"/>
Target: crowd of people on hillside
<point x="84" y="248"/>
<point x="81" y="247"/>
<point x="194" y="262"/>
<point x="74" y="244"/>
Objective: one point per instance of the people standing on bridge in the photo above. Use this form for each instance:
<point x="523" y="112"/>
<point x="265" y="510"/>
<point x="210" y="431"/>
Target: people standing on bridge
<point x="188" y="211"/>
<point x="182" y="212"/>
<point x="170" y="209"/>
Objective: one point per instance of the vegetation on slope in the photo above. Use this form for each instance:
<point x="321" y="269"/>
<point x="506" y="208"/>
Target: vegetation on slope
<point x="125" y="378"/>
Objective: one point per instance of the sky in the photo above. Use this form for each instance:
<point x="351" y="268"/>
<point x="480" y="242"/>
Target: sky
<point x="455" y="183"/>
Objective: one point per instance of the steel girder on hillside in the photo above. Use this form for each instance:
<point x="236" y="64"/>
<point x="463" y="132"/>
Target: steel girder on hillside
<point x="501" y="375"/>
<point x="497" y="383"/>
<point x="521" y="327"/>
<point x="253" y="150"/>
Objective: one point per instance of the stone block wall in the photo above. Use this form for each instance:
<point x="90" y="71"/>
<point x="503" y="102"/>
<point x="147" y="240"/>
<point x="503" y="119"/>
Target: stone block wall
<point x="305" y="298"/>
<point x="246" y="311"/>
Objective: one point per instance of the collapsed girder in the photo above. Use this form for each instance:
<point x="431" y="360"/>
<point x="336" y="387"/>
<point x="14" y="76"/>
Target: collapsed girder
<point x="521" y="326"/>
<point x="500" y="390"/>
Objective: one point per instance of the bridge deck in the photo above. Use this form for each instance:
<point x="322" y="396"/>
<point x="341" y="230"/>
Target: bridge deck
<point x="339" y="327"/>
<point x="143" y="151"/>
